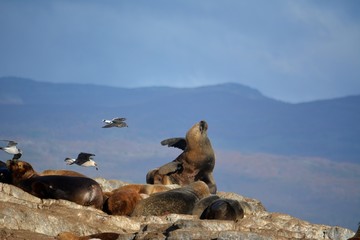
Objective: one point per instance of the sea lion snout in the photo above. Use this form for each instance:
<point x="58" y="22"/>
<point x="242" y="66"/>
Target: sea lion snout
<point x="203" y="126"/>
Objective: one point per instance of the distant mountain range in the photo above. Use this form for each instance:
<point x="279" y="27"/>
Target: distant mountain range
<point x="302" y="159"/>
<point x="240" y="118"/>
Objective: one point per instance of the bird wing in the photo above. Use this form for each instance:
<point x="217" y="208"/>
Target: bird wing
<point x="118" y="120"/>
<point x="84" y="155"/>
<point x="109" y="125"/>
<point x="83" y="158"/>
<point x="10" y="143"/>
<point x="121" y="124"/>
<point x="175" y="142"/>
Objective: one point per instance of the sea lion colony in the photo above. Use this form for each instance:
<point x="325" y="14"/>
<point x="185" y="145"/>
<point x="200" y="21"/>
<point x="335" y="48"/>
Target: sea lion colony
<point x="191" y="170"/>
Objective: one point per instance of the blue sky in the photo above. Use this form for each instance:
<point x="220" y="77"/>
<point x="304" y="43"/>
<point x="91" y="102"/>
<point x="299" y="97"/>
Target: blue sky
<point x="290" y="50"/>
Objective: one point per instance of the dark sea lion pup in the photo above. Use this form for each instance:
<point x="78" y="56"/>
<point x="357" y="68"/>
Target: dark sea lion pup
<point x="81" y="190"/>
<point x="180" y="200"/>
<point x="195" y="163"/>
<point x="223" y="209"/>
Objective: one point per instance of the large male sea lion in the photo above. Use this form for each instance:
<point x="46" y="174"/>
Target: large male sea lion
<point x="61" y="172"/>
<point x="180" y="200"/>
<point x="81" y="190"/>
<point x="196" y="162"/>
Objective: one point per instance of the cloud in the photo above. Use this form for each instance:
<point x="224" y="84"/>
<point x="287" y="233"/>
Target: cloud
<point x="288" y="50"/>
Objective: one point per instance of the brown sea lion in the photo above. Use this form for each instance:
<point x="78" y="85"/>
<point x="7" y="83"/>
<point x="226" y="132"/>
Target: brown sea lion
<point x="147" y="189"/>
<point x="196" y="162"/>
<point x="223" y="209"/>
<point x="81" y="190"/>
<point x="181" y="200"/>
<point x="100" y="236"/>
<point x="61" y="173"/>
<point x="122" y="201"/>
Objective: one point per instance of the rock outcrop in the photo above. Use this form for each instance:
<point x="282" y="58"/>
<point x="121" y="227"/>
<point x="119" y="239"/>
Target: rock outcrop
<point x="23" y="216"/>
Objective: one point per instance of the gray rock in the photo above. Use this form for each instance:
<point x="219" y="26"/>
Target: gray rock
<point x="23" y="216"/>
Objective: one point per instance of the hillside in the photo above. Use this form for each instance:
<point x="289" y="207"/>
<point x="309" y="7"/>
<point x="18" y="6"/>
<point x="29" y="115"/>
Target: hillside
<point x="240" y="118"/>
<point x="301" y="159"/>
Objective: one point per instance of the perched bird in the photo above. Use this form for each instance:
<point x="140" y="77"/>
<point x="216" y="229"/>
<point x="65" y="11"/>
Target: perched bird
<point x="11" y="148"/>
<point x="115" y="122"/>
<point x="83" y="159"/>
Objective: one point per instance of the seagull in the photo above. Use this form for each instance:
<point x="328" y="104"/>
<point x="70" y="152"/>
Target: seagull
<point x="83" y="159"/>
<point x="115" y="122"/>
<point x="11" y="148"/>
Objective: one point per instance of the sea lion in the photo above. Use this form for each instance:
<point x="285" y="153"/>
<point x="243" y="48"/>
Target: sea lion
<point x="357" y="235"/>
<point x="61" y="173"/>
<point x="122" y="201"/>
<point x="81" y="190"/>
<point x="223" y="209"/>
<point x="196" y="162"/>
<point x="100" y="236"/>
<point x="148" y="189"/>
<point x="181" y="200"/>
<point x="5" y="175"/>
<point x="201" y="205"/>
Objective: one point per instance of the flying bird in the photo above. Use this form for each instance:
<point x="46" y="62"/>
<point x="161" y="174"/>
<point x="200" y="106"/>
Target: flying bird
<point x="115" y="122"/>
<point x="11" y="148"/>
<point x="83" y="159"/>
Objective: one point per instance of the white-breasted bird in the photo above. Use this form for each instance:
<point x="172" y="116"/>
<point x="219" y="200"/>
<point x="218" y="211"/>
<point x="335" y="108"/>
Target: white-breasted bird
<point x="115" y="122"/>
<point x="83" y="159"/>
<point x="11" y="148"/>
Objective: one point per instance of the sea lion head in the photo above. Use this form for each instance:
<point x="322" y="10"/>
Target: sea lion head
<point x="197" y="134"/>
<point x="199" y="188"/>
<point x="20" y="170"/>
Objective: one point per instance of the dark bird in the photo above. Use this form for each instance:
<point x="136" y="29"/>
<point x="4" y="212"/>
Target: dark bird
<point x="11" y="148"/>
<point x="115" y="122"/>
<point x="83" y="159"/>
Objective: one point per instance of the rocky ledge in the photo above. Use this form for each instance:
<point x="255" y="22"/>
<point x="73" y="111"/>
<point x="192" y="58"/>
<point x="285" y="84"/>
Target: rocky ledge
<point x="23" y="216"/>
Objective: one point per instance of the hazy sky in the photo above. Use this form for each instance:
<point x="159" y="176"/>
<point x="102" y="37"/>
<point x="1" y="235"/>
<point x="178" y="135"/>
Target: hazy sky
<point x="289" y="50"/>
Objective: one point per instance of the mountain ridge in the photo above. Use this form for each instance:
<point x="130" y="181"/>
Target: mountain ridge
<point x="298" y="158"/>
<point x="240" y="117"/>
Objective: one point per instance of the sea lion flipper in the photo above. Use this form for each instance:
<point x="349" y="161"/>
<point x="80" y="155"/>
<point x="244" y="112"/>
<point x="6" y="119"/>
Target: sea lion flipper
<point x="170" y="167"/>
<point x="175" y="142"/>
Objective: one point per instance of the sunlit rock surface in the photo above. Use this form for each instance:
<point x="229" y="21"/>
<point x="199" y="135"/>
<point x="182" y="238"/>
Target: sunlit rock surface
<point x="23" y="216"/>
